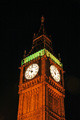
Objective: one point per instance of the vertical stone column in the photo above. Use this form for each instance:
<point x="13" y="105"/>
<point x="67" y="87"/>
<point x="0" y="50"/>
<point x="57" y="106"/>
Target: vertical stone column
<point x="59" y="106"/>
<point x="24" y="103"/>
<point x="46" y="104"/>
<point x="43" y="74"/>
<point x="37" y="98"/>
<point x="43" y="65"/>
<point x="63" y="78"/>
<point x="62" y="106"/>
<point x="21" y="75"/>
<point x="32" y="100"/>
<point x="40" y="97"/>
<point x="43" y="101"/>
<point x="28" y="101"/>
<point x="21" y="106"/>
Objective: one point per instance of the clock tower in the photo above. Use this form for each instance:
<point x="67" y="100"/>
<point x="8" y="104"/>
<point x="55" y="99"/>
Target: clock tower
<point x="41" y="85"/>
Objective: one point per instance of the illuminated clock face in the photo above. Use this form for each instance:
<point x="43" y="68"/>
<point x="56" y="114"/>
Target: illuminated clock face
<point x="31" y="71"/>
<point x="55" y="73"/>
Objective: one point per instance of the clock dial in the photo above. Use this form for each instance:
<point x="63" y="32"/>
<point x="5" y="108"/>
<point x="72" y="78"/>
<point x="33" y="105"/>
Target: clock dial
<point x="55" y="73"/>
<point x="31" y="71"/>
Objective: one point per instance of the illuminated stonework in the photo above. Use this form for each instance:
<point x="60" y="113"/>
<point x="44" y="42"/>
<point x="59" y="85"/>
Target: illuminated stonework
<point x="40" y="54"/>
<point x="41" y="85"/>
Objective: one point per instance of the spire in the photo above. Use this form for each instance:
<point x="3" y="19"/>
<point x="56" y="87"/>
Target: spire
<point x="42" y="24"/>
<point x="42" y="29"/>
<point x="41" y="40"/>
<point x="42" y="20"/>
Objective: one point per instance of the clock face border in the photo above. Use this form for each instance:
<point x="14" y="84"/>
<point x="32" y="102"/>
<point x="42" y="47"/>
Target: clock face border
<point x="55" y="74"/>
<point x="31" y="71"/>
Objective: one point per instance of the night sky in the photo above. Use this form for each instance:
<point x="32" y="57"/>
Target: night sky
<point x="19" y="21"/>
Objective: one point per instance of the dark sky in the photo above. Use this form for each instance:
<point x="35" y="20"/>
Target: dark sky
<point x="19" y="21"/>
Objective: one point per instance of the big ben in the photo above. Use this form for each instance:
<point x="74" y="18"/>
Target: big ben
<point x="41" y="86"/>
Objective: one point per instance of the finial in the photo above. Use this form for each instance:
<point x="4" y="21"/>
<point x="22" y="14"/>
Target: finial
<point x="34" y="35"/>
<point x="59" y="57"/>
<point x="42" y="19"/>
<point x="24" y="54"/>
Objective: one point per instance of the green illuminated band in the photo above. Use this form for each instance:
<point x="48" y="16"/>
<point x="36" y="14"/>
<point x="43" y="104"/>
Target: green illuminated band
<point x="41" y="53"/>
